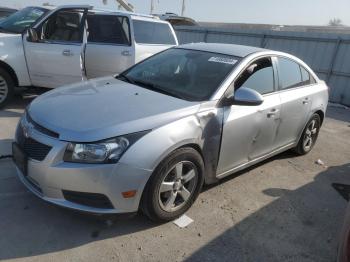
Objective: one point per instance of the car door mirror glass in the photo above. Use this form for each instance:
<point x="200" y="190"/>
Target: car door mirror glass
<point x="248" y="97"/>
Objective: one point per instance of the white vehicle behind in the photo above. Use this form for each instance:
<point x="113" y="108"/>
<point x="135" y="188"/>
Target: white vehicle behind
<point x="75" y="43"/>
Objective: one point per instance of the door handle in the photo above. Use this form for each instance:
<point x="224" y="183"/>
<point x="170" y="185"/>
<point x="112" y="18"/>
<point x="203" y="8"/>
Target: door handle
<point x="272" y="113"/>
<point x="306" y="101"/>
<point x="67" y="52"/>
<point x="126" y="53"/>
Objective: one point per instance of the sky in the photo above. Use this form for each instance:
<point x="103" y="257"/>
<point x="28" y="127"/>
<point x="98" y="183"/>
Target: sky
<point x="281" y="12"/>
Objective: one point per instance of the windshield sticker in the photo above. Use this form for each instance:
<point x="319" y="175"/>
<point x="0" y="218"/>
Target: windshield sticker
<point x="224" y="60"/>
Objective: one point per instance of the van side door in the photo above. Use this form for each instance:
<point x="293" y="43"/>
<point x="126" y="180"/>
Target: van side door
<point x="109" y="49"/>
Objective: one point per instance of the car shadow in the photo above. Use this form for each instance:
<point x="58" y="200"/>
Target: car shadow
<point x="32" y="227"/>
<point x="289" y="225"/>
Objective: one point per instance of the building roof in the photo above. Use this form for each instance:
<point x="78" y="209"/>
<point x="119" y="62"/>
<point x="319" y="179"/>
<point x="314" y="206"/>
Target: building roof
<point x="227" y="49"/>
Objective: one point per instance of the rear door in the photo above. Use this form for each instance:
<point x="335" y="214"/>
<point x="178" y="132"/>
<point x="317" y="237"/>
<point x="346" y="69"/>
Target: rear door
<point x="295" y="93"/>
<point x="152" y="37"/>
<point x="57" y="57"/>
<point x="109" y="49"/>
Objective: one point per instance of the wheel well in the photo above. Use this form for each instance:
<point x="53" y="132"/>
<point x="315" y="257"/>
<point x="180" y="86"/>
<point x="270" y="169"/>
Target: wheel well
<point x="10" y="71"/>
<point x="195" y="147"/>
<point x="321" y="114"/>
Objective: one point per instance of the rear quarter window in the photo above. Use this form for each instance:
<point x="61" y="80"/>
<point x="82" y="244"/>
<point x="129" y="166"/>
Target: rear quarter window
<point x="306" y="77"/>
<point x="153" y="33"/>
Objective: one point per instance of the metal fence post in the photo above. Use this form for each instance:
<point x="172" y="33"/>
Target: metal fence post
<point x="262" y="43"/>
<point x="334" y="57"/>
<point x="206" y="36"/>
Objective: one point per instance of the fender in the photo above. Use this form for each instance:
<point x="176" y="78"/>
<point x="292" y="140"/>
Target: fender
<point x="206" y="131"/>
<point x="12" y="57"/>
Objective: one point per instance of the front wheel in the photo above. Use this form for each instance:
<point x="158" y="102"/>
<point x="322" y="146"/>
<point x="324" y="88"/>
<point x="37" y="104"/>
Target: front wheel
<point x="309" y="136"/>
<point x="6" y="87"/>
<point x="174" y="185"/>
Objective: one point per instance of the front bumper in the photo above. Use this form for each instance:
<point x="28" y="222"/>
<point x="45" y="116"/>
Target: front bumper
<point x="49" y="178"/>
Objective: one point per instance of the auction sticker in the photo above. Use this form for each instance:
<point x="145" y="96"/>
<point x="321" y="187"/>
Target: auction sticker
<point x="224" y="60"/>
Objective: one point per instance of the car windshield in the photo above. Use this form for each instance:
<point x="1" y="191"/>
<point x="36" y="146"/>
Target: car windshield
<point x="187" y="74"/>
<point x="21" y="20"/>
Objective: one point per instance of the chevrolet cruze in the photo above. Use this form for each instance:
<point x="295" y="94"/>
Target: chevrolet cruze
<point x="150" y="137"/>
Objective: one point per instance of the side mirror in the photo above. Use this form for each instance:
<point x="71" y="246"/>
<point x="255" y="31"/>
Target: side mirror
<point x="247" y="97"/>
<point x="32" y="35"/>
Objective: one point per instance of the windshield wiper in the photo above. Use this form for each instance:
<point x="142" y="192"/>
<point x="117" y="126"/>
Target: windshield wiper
<point x="157" y="88"/>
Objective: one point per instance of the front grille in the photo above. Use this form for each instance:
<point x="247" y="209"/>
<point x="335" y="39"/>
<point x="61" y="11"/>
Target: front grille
<point x="33" y="149"/>
<point x="88" y="199"/>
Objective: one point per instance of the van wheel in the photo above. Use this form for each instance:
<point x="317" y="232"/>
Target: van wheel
<point x="309" y="136"/>
<point x="174" y="185"/>
<point x="6" y="87"/>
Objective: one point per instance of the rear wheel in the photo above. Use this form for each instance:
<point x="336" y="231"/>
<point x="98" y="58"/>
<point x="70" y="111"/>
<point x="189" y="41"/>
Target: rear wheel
<point x="309" y="136"/>
<point x="6" y="87"/>
<point x="174" y="185"/>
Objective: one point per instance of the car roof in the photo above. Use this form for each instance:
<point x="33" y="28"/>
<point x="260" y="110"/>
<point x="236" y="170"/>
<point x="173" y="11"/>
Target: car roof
<point x="227" y="49"/>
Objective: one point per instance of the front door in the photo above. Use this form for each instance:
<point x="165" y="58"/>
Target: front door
<point x="249" y="132"/>
<point x="57" y="57"/>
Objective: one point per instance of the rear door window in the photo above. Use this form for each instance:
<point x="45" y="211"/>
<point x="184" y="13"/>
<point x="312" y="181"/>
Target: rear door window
<point x="109" y="29"/>
<point x="289" y="73"/>
<point x="153" y="33"/>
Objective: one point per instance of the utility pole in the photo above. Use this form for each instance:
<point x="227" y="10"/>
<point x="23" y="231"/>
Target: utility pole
<point x="152" y="7"/>
<point x="183" y="7"/>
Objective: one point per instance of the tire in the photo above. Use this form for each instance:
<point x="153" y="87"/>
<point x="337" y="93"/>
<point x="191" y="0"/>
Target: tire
<point x="177" y="194"/>
<point x="6" y="87"/>
<point x="310" y="133"/>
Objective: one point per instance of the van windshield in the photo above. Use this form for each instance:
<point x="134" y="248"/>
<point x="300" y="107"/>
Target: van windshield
<point x="187" y="74"/>
<point x="19" y="21"/>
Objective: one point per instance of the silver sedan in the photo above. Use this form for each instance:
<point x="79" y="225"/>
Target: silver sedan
<point x="150" y="137"/>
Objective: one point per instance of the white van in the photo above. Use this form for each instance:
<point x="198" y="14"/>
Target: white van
<point x="74" y="43"/>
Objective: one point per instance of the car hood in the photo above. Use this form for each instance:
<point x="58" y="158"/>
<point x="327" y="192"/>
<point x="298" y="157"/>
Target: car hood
<point x="103" y="108"/>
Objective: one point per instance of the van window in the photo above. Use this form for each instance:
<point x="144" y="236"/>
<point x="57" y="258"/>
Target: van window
<point x="109" y="29"/>
<point x="63" y="26"/>
<point x="153" y="33"/>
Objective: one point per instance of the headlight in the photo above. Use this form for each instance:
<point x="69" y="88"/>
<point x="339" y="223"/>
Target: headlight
<point x="109" y="151"/>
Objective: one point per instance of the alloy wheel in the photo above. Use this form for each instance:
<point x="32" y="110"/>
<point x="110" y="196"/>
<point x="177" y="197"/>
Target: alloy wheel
<point x="178" y="186"/>
<point x="310" y="135"/>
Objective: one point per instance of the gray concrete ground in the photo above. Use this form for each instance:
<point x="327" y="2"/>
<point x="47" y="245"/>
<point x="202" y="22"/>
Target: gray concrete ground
<point x="281" y="210"/>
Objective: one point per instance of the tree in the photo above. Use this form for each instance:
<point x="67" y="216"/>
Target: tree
<point x="335" y="22"/>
